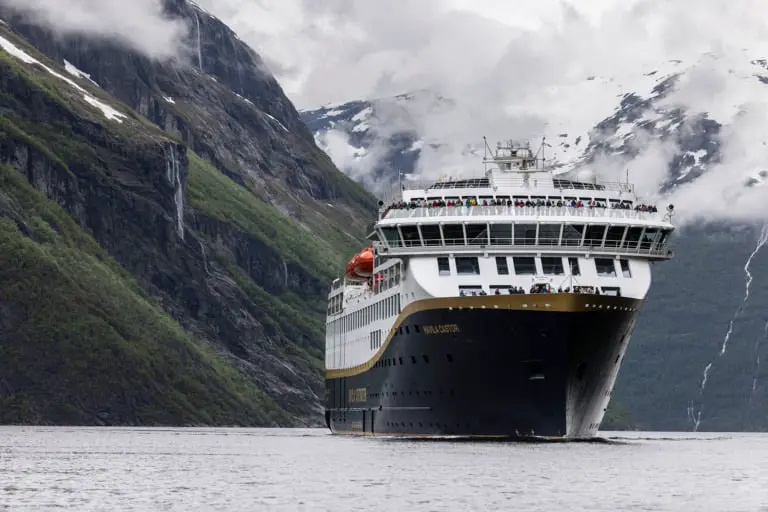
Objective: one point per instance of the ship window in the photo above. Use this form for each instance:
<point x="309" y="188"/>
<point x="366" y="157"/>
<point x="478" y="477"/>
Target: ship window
<point x="477" y="234"/>
<point x="431" y="234"/>
<point x="594" y="236"/>
<point x="470" y="291"/>
<point x="502" y="289"/>
<point x="410" y="236"/>
<point x="524" y="265"/>
<point x="664" y="236"/>
<point x="392" y="236"/>
<point x="467" y="266"/>
<point x="625" y="268"/>
<point x="454" y="234"/>
<point x="552" y="266"/>
<point x="501" y="234"/>
<point x="574" y="264"/>
<point x="633" y="237"/>
<point x="605" y="267"/>
<point x="443" y="267"/>
<point x="501" y="266"/>
<point x="549" y="234"/>
<point x="525" y="234"/>
<point x="650" y="236"/>
<point x="572" y="235"/>
<point x="615" y="234"/>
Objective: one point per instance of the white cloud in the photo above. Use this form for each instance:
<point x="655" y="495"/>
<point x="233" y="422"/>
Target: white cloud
<point x="139" y="24"/>
<point x="522" y="69"/>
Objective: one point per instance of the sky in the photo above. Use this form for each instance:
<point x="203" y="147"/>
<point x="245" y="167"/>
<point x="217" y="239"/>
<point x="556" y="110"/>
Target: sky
<point x="511" y="69"/>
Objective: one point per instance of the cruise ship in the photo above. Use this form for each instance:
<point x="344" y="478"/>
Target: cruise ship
<point x="496" y="307"/>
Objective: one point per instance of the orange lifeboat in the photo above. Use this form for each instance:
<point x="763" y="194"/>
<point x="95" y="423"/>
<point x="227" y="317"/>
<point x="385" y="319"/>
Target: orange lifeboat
<point x="360" y="267"/>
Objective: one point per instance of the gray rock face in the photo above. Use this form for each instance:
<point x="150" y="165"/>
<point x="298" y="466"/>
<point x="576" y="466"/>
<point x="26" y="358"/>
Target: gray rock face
<point x="245" y="267"/>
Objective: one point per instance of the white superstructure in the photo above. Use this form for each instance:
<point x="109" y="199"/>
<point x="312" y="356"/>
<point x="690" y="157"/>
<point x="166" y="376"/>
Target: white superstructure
<point x="519" y="229"/>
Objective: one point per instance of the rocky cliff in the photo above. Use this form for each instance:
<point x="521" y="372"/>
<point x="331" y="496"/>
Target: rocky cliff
<point x="166" y="258"/>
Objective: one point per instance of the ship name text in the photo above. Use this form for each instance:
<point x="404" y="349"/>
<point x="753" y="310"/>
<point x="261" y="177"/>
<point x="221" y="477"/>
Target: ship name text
<point x="441" y="329"/>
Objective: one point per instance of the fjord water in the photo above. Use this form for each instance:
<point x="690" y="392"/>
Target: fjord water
<point x="122" y="469"/>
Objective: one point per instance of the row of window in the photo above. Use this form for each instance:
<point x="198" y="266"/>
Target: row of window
<point x="568" y="235"/>
<point x="386" y="279"/>
<point x="526" y="266"/>
<point x="382" y="309"/>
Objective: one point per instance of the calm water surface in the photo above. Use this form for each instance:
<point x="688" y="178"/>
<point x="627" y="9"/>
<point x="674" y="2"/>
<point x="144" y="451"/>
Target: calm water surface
<point x="243" y="469"/>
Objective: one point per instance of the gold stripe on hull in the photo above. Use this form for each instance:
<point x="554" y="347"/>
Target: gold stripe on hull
<point x="545" y="302"/>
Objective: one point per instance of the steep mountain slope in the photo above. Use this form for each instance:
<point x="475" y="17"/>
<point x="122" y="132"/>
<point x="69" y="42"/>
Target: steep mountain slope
<point x="211" y="224"/>
<point x="694" y="296"/>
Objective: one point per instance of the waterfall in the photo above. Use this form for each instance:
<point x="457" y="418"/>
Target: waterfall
<point x="205" y="257"/>
<point x="199" y="44"/>
<point x="694" y="415"/>
<point x="173" y="174"/>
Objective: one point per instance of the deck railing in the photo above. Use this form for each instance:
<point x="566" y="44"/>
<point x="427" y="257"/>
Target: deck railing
<point x="523" y="211"/>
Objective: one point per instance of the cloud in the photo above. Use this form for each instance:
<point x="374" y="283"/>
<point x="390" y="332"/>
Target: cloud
<point x="531" y="68"/>
<point x="139" y="24"/>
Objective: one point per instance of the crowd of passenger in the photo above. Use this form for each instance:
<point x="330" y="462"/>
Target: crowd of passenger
<point x="534" y="289"/>
<point x="539" y="203"/>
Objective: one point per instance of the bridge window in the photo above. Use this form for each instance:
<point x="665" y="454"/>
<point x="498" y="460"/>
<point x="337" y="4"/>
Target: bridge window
<point x="467" y="266"/>
<point x="549" y="234"/>
<point x="649" y="238"/>
<point x="454" y="234"/>
<point x="572" y="235"/>
<point x="431" y="234"/>
<point x="525" y="234"/>
<point x="501" y="266"/>
<point x="501" y="234"/>
<point x="633" y="237"/>
<point x="524" y="266"/>
<point x="625" y="268"/>
<point x="574" y="264"/>
<point x="410" y="236"/>
<point x="594" y="236"/>
<point x="443" y="267"/>
<point x="392" y="236"/>
<point x="663" y="239"/>
<point x="477" y="234"/>
<point x="605" y="267"/>
<point x="552" y="266"/>
<point x="615" y="234"/>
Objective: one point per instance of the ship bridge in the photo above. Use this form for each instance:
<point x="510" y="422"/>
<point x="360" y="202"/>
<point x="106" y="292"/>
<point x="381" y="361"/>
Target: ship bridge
<point x="520" y="206"/>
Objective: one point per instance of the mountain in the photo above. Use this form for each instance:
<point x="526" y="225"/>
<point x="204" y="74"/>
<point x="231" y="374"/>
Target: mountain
<point x="694" y="297"/>
<point x="168" y="233"/>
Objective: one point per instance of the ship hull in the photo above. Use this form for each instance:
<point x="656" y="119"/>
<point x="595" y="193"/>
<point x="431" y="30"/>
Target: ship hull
<point x="511" y="367"/>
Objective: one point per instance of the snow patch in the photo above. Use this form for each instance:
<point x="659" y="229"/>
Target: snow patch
<point x="361" y="127"/>
<point x="278" y="122"/>
<point x="72" y="70"/>
<point x="363" y="114"/>
<point x="416" y="146"/>
<point x="108" y="111"/>
<point x="333" y="113"/>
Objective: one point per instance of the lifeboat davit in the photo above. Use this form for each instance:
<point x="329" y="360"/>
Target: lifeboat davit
<point x="360" y="267"/>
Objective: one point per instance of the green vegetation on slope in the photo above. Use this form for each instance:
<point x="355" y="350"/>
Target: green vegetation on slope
<point x="213" y="193"/>
<point x="80" y="343"/>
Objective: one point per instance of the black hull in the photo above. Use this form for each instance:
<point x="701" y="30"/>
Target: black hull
<point x="510" y="366"/>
